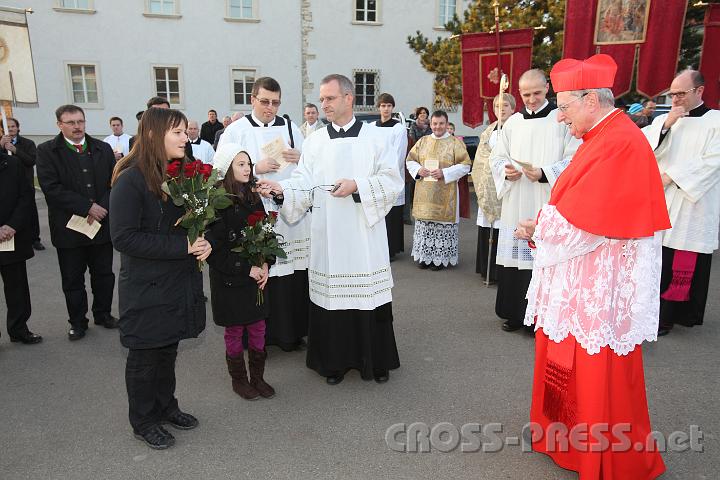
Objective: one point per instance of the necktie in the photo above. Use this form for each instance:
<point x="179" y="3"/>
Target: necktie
<point x="78" y="147"/>
<point x="342" y="132"/>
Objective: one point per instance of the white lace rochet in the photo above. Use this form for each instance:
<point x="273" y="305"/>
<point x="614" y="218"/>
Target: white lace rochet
<point x="602" y="291"/>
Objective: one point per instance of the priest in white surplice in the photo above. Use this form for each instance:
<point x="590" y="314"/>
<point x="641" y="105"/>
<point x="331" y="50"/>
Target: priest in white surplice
<point x="532" y="137"/>
<point x="201" y="149"/>
<point x="686" y="141"/>
<point x="287" y="287"/>
<point x="348" y="173"/>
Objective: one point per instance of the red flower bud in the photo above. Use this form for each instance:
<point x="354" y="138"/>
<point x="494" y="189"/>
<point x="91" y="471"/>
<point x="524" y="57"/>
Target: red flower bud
<point x="191" y="168"/>
<point x="206" y="170"/>
<point x="274" y="214"/>
<point x="255" y="217"/>
<point x="173" y="169"/>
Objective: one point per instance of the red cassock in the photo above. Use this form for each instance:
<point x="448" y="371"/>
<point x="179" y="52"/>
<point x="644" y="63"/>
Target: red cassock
<point x="612" y="189"/>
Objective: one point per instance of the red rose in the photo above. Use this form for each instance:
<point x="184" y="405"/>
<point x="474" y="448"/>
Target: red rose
<point x="191" y="168"/>
<point x="173" y="169"/>
<point x="255" y="217"/>
<point x="274" y="214"/>
<point x="206" y="169"/>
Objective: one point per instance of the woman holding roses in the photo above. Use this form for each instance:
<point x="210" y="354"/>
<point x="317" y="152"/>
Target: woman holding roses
<point x="234" y="282"/>
<point x="160" y="286"/>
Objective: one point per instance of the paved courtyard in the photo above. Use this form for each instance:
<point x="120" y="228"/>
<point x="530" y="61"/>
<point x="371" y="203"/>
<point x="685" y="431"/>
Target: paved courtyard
<point x="63" y="411"/>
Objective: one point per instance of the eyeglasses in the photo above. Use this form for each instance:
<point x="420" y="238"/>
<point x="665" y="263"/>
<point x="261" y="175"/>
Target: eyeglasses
<point x="563" y="108"/>
<point x="74" y="123"/>
<point x="266" y="102"/>
<point x="681" y="95"/>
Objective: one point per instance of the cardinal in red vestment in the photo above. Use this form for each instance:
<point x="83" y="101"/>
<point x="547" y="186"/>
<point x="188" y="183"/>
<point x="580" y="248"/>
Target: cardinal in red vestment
<point x="594" y="294"/>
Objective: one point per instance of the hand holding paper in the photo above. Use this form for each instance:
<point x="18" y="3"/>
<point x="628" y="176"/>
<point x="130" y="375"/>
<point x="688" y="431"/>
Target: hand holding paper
<point x="84" y="225"/>
<point x="431" y="164"/>
<point x="274" y="150"/>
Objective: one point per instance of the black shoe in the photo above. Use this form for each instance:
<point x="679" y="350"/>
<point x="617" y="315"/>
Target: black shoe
<point x="510" y="327"/>
<point x="381" y="376"/>
<point x="662" y="331"/>
<point x="423" y="265"/>
<point x="76" y="333"/>
<point x="334" y="379"/>
<point x="38" y="246"/>
<point x="107" y="321"/>
<point x="530" y="330"/>
<point x="181" y="421"/>
<point x="436" y="268"/>
<point x="27" y="338"/>
<point x="156" y="437"/>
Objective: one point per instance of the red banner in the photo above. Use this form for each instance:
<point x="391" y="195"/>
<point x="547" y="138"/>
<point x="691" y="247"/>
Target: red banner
<point x="648" y="34"/>
<point x="480" y="74"/>
<point x="709" y="64"/>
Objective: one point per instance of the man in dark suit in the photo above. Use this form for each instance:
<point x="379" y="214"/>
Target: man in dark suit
<point x="211" y="127"/>
<point x="24" y="149"/>
<point x="74" y="172"/>
<point x="16" y="199"/>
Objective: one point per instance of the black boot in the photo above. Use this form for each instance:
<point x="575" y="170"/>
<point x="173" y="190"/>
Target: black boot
<point x="256" y="362"/>
<point x="240" y="384"/>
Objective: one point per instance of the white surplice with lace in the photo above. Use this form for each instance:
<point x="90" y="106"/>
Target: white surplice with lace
<point x="602" y="291"/>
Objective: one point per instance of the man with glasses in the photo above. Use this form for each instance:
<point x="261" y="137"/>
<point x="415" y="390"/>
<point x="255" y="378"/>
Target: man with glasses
<point x="74" y="172"/>
<point x="274" y="144"/>
<point x="531" y="152"/>
<point x="594" y="291"/>
<point x="351" y="320"/>
<point x="687" y="147"/>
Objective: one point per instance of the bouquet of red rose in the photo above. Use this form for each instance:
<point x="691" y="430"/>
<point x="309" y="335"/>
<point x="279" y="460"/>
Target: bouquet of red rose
<point x="194" y="188"/>
<point x="259" y="241"/>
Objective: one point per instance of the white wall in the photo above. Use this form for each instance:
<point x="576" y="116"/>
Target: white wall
<point x="126" y="44"/>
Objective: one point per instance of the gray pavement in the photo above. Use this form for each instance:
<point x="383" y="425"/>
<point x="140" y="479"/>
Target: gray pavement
<point x="63" y="407"/>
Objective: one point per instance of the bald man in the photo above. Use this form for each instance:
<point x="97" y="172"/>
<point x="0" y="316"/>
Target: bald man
<point x="201" y="149"/>
<point x="531" y="152"/>
<point x="686" y="141"/>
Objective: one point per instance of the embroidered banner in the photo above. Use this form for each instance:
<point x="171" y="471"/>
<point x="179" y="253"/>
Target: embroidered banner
<point x="480" y="73"/>
<point x="642" y="32"/>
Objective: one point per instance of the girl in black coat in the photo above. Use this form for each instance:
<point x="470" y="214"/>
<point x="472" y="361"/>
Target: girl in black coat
<point x="160" y="287"/>
<point x="234" y="283"/>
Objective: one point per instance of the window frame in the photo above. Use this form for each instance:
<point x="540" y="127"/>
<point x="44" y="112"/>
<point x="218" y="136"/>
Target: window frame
<point x="255" y="13"/>
<point x="376" y="85"/>
<point x="378" y="13"/>
<point x="69" y="85"/>
<point x="458" y="11"/>
<point x="175" y="15"/>
<point x="61" y="7"/>
<point x="181" y="82"/>
<point x="238" y="107"/>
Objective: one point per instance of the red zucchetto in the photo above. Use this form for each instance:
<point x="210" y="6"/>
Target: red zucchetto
<point x="597" y="71"/>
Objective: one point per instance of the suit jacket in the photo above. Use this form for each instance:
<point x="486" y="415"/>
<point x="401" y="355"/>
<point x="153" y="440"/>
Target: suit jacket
<point x="217" y="138"/>
<point x="207" y="131"/>
<point x="16" y="197"/>
<point x="26" y="153"/>
<point x="60" y="178"/>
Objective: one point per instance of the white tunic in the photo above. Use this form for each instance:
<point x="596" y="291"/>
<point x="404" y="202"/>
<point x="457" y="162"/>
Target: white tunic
<point x="690" y="155"/>
<point x="203" y="152"/>
<point x="296" y="234"/>
<point x="399" y="140"/>
<point x="119" y="143"/>
<point x="349" y="261"/>
<point x="544" y="143"/>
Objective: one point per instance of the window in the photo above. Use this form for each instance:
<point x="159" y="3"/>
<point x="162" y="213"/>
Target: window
<point x="242" y="9"/>
<point x="447" y="11"/>
<point x="83" y="84"/>
<point x="242" y="83"/>
<point x="366" y="87"/>
<point x="162" y="7"/>
<point x="366" y="11"/>
<point x="76" y="4"/>
<point x="167" y="83"/>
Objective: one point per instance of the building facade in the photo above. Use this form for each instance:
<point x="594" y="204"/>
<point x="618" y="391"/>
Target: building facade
<point x="110" y="56"/>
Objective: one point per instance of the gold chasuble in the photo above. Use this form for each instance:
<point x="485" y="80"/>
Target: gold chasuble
<point x="436" y="201"/>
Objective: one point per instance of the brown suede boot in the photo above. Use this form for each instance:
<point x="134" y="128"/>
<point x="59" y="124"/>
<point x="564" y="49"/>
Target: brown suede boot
<point x="240" y="384"/>
<point x="256" y="362"/>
